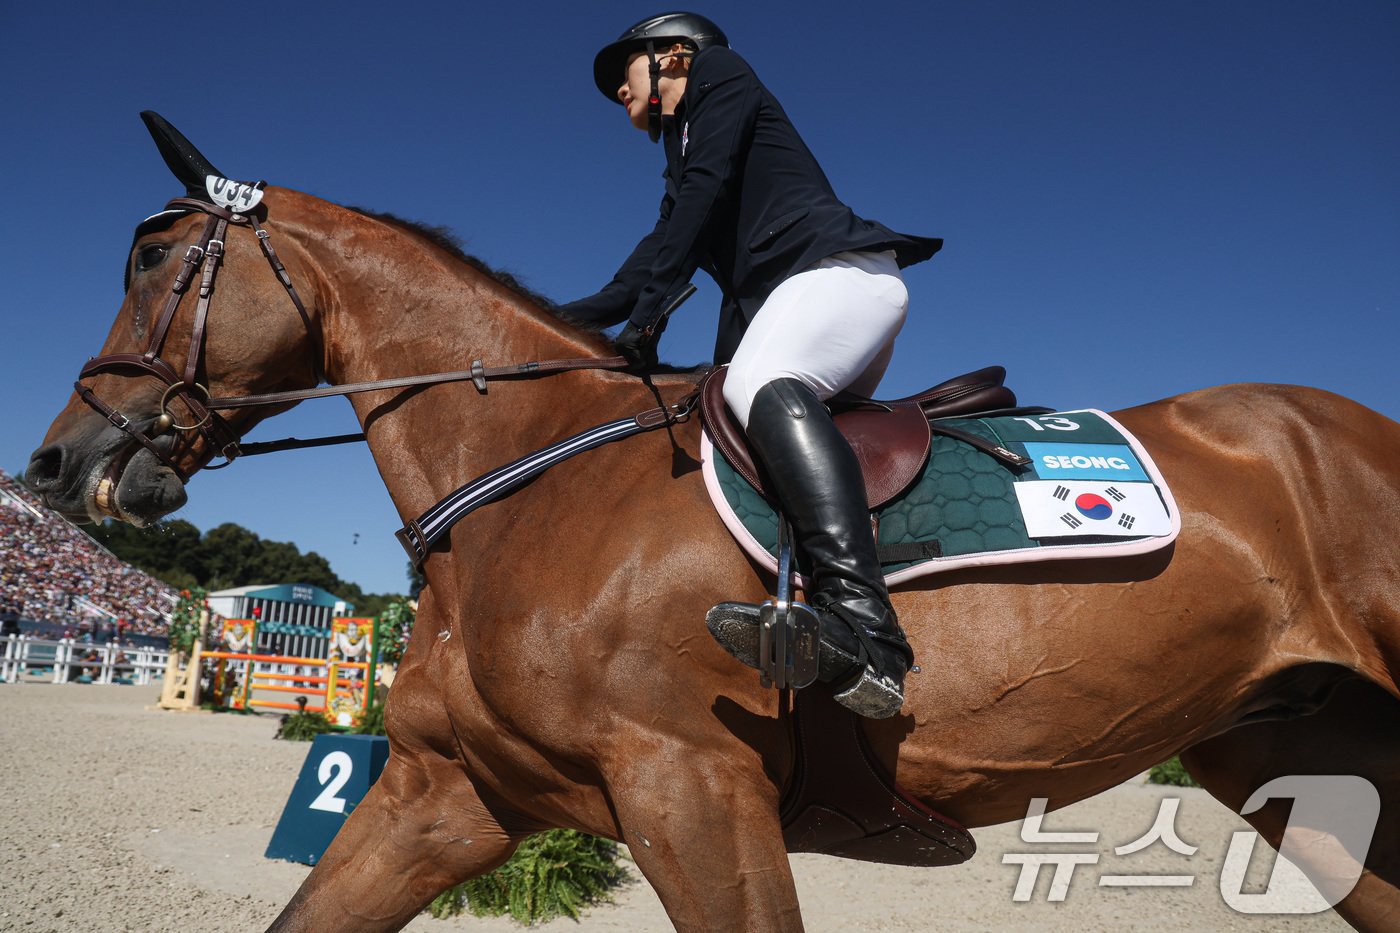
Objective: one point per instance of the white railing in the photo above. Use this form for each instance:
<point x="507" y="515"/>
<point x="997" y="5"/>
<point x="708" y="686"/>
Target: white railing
<point x="26" y="658"/>
<point x="9" y="498"/>
<point x="90" y="606"/>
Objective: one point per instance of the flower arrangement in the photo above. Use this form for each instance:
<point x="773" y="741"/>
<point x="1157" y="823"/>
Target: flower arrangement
<point x="395" y="626"/>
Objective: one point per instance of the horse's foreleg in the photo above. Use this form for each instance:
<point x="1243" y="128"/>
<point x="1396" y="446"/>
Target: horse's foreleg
<point x="420" y="829"/>
<point x="709" y="841"/>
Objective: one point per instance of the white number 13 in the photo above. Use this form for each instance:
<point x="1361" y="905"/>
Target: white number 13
<point x="1055" y="424"/>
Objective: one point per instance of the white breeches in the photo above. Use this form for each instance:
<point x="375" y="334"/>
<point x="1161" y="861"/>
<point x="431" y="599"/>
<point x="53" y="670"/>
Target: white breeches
<point x="831" y="326"/>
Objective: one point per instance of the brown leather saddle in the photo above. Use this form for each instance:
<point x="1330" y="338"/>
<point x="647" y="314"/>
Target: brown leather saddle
<point x="890" y="438"/>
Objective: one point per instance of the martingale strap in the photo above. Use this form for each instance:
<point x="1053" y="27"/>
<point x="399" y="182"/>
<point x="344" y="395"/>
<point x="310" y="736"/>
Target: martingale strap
<point x="419" y="535"/>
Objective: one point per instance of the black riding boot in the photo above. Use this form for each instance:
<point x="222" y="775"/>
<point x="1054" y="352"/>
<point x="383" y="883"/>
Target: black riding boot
<point x="817" y="480"/>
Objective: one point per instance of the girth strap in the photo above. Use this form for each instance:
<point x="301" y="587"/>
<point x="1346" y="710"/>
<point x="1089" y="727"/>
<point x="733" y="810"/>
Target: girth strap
<point x="419" y="535"/>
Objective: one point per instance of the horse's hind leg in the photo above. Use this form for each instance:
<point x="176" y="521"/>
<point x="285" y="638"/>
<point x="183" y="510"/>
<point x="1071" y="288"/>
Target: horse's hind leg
<point x="420" y="829"/>
<point x="1354" y="734"/>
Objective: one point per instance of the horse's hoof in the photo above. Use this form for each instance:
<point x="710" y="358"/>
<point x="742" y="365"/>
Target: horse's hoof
<point x="735" y="627"/>
<point x="872" y="695"/>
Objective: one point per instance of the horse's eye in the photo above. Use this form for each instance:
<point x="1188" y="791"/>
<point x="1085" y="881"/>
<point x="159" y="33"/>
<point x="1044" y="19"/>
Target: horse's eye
<point x="150" y="256"/>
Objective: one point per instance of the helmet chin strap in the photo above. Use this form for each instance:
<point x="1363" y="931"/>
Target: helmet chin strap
<point x="654" y="99"/>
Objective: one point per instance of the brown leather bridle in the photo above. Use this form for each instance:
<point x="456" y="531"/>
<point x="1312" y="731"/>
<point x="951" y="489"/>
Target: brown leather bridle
<point x="206" y="255"/>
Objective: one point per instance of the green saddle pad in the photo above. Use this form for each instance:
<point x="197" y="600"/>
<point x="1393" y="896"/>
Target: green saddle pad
<point x="1090" y="490"/>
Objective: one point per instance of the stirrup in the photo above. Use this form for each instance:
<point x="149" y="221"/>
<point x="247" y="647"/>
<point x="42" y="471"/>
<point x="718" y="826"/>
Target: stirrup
<point x="789" y="644"/>
<point x="789" y="632"/>
<point x="787" y="654"/>
<point x="738" y="627"/>
<point x="788" y="649"/>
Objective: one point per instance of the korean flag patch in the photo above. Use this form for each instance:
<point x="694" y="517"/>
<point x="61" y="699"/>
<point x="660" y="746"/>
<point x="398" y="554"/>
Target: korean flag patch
<point x="1060" y="509"/>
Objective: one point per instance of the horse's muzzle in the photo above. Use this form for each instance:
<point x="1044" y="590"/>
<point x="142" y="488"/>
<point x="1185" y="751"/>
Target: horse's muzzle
<point x="87" y="482"/>
<point x="54" y="474"/>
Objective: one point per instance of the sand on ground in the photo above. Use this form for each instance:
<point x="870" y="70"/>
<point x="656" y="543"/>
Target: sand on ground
<point x="118" y="817"/>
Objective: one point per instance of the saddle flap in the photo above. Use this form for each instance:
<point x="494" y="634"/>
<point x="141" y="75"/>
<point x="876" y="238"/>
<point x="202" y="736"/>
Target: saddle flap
<point x="842" y="801"/>
<point x="891" y="444"/>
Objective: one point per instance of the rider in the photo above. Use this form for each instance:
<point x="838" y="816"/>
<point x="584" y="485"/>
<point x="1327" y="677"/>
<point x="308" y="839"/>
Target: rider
<point x="813" y="300"/>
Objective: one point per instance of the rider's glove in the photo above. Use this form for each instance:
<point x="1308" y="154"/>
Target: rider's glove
<point x="638" y="347"/>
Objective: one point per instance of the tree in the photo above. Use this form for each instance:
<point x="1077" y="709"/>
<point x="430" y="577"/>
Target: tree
<point x="168" y="549"/>
<point x="230" y="556"/>
<point x="226" y="556"/>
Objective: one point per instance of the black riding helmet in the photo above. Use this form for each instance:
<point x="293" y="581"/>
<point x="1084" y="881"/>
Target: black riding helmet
<point x="653" y="34"/>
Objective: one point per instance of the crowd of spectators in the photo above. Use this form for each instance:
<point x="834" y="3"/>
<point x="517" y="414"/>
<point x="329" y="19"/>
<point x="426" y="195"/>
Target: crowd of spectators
<point x="51" y="572"/>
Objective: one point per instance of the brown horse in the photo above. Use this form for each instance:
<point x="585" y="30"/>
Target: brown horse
<point x="561" y="674"/>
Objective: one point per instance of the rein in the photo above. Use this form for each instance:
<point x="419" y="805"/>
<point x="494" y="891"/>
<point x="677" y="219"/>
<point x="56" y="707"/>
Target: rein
<point x="204" y="257"/>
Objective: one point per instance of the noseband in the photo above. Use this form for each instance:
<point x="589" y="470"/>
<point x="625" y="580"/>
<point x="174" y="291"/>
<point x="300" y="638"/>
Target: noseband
<point x="206" y="255"/>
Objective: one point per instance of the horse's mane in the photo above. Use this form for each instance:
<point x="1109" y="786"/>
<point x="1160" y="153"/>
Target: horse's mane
<point x="446" y="239"/>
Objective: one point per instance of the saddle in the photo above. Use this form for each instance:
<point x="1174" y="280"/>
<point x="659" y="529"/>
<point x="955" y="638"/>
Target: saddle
<point x="890" y="438"/>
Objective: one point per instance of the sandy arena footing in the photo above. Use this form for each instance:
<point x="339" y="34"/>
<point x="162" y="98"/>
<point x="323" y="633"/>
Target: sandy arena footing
<point x="122" y="818"/>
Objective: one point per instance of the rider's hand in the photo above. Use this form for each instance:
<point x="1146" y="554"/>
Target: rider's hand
<point x="639" y="348"/>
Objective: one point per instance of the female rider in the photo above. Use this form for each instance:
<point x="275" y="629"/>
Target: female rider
<point x="813" y="300"/>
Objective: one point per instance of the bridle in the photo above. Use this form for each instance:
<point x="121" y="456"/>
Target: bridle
<point x="204" y="257"/>
<point x="207" y="255"/>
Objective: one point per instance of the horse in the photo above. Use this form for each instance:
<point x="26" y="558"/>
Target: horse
<point x="560" y="673"/>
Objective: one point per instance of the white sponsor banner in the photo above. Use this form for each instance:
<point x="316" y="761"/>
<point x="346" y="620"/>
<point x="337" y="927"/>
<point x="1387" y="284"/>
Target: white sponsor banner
<point x="1068" y="508"/>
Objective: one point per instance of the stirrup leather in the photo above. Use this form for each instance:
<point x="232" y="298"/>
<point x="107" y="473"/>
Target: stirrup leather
<point x="789" y="632"/>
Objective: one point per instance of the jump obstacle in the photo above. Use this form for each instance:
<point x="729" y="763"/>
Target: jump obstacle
<point x="344" y="682"/>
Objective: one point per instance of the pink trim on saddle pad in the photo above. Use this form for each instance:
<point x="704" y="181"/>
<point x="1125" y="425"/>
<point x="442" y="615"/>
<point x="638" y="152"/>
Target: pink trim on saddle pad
<point x="760" y="555"/>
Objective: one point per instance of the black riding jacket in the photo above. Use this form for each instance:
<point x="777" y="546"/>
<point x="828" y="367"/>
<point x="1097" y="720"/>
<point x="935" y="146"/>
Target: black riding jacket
<point x="745" y="200"/>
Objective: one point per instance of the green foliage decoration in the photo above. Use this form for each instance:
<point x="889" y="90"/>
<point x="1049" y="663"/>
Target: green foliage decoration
<point x="184" y="621"/>
<point x="552" y="874"/>
<point x="303" y="727"/>
<point x="1171" y="772"/>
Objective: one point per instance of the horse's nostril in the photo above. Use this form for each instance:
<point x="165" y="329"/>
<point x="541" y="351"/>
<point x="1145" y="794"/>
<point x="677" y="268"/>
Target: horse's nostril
<point x="45" y="468"/>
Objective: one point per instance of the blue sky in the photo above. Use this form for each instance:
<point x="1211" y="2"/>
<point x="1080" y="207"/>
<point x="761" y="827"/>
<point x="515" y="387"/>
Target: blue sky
<point x="1138" y="199"/>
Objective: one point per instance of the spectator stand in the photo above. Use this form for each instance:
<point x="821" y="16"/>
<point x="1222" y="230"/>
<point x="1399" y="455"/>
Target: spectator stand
<point x="58" y="583"/>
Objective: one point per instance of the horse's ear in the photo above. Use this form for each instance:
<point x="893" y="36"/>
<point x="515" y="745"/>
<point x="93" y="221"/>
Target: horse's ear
<point x="188" y="163"/>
